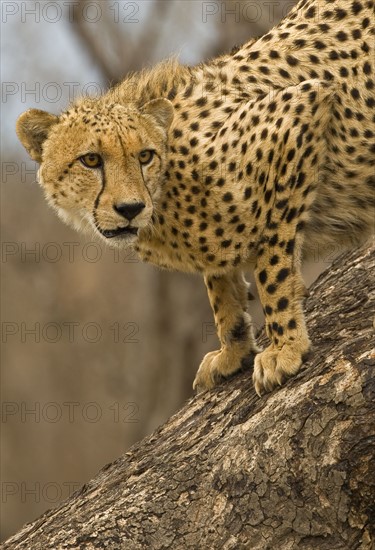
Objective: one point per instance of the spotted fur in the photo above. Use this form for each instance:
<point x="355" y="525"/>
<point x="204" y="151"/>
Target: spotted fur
<point x="259" y="157"/>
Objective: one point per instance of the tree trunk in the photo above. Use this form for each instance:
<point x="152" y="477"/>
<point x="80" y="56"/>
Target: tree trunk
<point x="232" y="471"/>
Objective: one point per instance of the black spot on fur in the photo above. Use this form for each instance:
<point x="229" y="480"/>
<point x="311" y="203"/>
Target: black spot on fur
<point x="239" y="332"/>
<point x="282" y="304"/>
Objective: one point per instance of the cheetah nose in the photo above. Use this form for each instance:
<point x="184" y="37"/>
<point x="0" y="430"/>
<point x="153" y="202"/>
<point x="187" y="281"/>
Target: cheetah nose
<point x="129" y="210"/>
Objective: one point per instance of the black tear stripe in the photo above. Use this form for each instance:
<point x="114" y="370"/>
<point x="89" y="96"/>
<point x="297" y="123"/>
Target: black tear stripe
<point x="96" y="203"/>
<point x="104" y="183"/>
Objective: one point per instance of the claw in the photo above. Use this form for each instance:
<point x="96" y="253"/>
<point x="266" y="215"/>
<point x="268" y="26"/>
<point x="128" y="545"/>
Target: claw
<point x="218" y="366"/>
<point x="273" y="366"/>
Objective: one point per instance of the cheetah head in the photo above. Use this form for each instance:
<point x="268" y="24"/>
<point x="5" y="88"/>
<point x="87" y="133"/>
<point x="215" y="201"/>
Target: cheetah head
<point x="101" y="164"/>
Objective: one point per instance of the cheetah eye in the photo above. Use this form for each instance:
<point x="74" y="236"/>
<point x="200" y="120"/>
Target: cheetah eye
<point x="146" y="156"/>
<point x="91" y="160"/>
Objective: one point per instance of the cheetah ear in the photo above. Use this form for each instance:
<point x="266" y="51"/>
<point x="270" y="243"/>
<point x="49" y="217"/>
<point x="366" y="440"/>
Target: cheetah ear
<point x="32" y="128"/>
<point x="161" y="110"/>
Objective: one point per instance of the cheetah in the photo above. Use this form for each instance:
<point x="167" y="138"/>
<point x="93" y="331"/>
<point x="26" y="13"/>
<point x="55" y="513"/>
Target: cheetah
<point x="254" y="159"/>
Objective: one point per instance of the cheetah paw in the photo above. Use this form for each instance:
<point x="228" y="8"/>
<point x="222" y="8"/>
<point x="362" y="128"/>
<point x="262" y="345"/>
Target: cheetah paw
<point x="272" y="367"/>
<point x="219" y="365"/>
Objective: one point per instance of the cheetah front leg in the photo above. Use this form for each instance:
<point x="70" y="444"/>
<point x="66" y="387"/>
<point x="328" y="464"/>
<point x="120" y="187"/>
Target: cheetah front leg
<point x="290" y="180"/>
<point x="281" y="290"/>
<point x="228" y="295"/>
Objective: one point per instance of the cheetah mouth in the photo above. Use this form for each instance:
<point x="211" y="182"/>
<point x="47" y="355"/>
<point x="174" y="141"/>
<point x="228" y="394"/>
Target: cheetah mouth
<point x="119" y="231"/>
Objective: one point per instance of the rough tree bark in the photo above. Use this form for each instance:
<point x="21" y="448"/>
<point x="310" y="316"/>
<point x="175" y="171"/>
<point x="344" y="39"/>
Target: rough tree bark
<point x="232" y="471"/>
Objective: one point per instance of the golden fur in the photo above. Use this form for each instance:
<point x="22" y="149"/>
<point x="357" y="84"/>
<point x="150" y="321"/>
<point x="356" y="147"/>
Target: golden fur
<point x="270" y="156"/>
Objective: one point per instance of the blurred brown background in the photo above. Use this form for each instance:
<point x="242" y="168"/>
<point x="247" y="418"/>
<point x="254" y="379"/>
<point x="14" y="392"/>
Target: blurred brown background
<point x="97" y="349"/>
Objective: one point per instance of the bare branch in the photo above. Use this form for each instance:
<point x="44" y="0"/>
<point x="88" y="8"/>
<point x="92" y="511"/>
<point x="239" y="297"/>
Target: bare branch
<point x="292" y="470"/>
